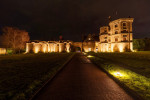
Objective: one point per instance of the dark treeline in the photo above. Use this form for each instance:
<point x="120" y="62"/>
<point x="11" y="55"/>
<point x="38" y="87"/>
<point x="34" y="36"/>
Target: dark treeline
<point x="141" y="44"/>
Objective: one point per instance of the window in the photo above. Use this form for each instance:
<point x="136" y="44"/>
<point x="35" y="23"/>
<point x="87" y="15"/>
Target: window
<point x="124" y="35"/>
<point x="116" y="26"/>
<point x="116" y="39"/>
<point x="124" y="28"/>
<point x="105" y="39"/>
<point x="116" y="32"/>
<point x="124" y="24"/>
<point x="124" y="39"/>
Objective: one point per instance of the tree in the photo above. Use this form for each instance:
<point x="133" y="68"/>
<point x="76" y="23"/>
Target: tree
<point x="139" y="44"/>
<point x="14" y="38"/>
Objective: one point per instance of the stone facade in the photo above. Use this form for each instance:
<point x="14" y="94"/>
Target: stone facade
<point x="91" y="43"/>
<point x="48" y="46"/>
<point x="117" y="37"/>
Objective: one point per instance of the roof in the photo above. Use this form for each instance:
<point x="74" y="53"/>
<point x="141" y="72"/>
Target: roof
<point x="122" y="19"/>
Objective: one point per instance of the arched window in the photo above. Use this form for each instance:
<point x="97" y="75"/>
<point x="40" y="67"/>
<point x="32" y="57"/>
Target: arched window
<point x="124" y="24"/>
<point x="116" y="26"/>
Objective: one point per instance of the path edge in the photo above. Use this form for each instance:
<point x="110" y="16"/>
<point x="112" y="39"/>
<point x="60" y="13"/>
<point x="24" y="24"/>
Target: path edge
<point x="45" y="83"/>
<point x="129" y="91"/>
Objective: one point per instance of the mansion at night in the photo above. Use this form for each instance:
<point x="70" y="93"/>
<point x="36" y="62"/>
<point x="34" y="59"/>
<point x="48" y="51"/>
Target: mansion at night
<point x="117" y="37"/>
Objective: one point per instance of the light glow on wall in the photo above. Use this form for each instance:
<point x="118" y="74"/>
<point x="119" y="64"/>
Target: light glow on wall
<point x="27" y="49"/>
<point x="68" y="47"/>
<point x="89" y="49"/>
<point x="36" y="50"/>
<point x="44" y="49"/>
<point x="121" y="48"/>
<point x="2" y="51"/>
<point x="49" y="50"/>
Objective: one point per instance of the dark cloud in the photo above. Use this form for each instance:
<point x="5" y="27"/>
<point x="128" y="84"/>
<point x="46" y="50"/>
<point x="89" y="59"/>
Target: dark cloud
<point x="47" y="19"/>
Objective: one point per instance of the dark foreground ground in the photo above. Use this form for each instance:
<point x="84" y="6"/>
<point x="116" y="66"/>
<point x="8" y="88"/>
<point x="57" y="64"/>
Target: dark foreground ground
<point x="82" y="80"/>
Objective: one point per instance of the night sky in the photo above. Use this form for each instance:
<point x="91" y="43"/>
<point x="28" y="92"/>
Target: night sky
<point x="48" y="19"/>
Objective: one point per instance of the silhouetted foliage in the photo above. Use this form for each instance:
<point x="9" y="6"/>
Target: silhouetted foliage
<point x="14" y="38"/>
<point x="141" y="44"/>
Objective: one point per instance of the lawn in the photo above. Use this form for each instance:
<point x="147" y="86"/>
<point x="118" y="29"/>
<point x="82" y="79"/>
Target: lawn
<point x="131" y="69"/>
<point x="21" y="75"/>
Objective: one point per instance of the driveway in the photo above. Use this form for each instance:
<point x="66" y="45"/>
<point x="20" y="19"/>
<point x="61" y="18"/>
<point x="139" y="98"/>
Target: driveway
<point x="82" y="80"/>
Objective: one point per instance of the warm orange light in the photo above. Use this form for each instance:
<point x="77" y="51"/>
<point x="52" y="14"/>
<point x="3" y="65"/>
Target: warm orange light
<point x="44" y="49"/>
<point x="121" y="48"/>
<point x="2" y="51"/>
<point x="36" y="50"/>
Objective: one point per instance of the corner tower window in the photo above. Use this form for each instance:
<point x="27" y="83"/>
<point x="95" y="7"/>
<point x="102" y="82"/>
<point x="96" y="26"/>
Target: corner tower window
<point x="124" y="26"/>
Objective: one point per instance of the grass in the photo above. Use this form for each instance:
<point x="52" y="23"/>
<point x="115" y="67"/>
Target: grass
<point x="21" y="75"/>
<point x="131" y="69"/>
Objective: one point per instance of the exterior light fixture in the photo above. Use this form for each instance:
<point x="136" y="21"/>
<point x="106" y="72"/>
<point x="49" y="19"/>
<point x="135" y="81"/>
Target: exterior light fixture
<point x="118" y="74"/>
<point x="89" y="56"/>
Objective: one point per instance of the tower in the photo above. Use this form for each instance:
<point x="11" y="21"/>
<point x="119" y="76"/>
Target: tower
<point x="119" y="37"/>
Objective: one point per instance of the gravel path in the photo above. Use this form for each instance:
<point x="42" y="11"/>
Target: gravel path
<point x="82" y="80"/>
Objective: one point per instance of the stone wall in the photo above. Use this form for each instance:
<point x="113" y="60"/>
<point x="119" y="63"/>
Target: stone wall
<point x="47" y="47"/>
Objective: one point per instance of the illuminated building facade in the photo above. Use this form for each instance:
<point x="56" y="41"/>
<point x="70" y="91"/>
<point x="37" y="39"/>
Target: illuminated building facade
<point x="90" y="43"/>
<point x="48" y="46"/>
<point x="117" y="37"/>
